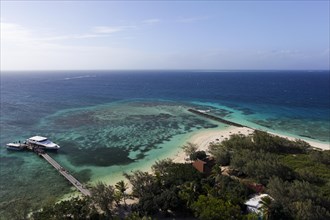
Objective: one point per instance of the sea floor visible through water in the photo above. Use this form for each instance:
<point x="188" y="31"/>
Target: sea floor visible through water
<point x="112" y="131"/>
<point x="100" y="143"/>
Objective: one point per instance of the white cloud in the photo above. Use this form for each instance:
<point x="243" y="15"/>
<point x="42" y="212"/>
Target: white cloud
<point x="28" y="49"/>
<point x="110" y="29"/>
<point x="192" y="19"/>
<point x="151" y="21"/>
<point x="17" y="34"/>
<point x="73" y="36"/>
<point x="14" y="32"/>
<point x="24" y="48"/>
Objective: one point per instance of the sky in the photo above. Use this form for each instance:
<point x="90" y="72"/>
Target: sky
<point x="128" y="35"/>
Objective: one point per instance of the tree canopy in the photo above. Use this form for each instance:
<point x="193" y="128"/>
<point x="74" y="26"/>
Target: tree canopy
<point x="295" y="177"/>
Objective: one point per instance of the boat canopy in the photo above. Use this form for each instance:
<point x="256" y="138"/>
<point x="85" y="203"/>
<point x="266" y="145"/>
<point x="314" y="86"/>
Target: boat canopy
<point x="37" y="138"/>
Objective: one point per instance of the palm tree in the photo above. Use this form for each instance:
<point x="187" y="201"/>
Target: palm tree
<point x="266" y="205"/>
<point x="121" y="186"/>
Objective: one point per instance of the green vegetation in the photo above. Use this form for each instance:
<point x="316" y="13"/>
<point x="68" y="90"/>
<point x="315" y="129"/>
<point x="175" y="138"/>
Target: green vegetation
<point x="189" y="149"/>
<point x="71" y="209"/>
<point x="201" y="155"/>
<point x="296" y="178"/>
<point x="212" y="208"/>
<point x="294" y="175"/>
<point x="160" y="193"/>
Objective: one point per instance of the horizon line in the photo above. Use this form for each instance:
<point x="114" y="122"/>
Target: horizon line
<point x="223" y="70"/>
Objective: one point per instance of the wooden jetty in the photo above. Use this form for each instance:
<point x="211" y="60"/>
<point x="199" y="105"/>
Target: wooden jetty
<point x="65" y="173"/>
<point x="40" y="149"/>
<point x="215" y="118"/>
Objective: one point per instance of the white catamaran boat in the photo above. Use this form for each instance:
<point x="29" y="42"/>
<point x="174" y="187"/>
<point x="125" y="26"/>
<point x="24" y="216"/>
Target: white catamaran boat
<point x="43" y="143"/>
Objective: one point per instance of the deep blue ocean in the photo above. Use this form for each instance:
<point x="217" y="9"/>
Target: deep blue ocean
<point x="279" y="95"/>
<point x="77" y="107"/>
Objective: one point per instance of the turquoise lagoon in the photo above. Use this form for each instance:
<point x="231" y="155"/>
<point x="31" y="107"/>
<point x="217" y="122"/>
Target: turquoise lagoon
<point x="108" y="123"/>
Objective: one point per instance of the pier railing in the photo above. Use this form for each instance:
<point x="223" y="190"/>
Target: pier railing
<point x="66" y="174"/>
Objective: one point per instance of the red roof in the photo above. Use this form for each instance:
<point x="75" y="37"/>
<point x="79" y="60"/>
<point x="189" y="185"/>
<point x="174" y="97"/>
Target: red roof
<point x="204" y="166"/>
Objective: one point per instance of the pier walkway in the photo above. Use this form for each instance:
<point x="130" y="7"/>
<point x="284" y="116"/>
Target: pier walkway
<point x="215" y="118"/>
<point x="66" y="174"/>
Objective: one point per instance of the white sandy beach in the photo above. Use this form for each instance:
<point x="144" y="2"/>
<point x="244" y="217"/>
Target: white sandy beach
<point x="204" y="138"/>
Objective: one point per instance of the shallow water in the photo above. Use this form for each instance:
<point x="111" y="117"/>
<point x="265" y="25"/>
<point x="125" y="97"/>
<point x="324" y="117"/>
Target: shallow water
<point x="110" y="123"/>
<point x="99" y="143"/>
